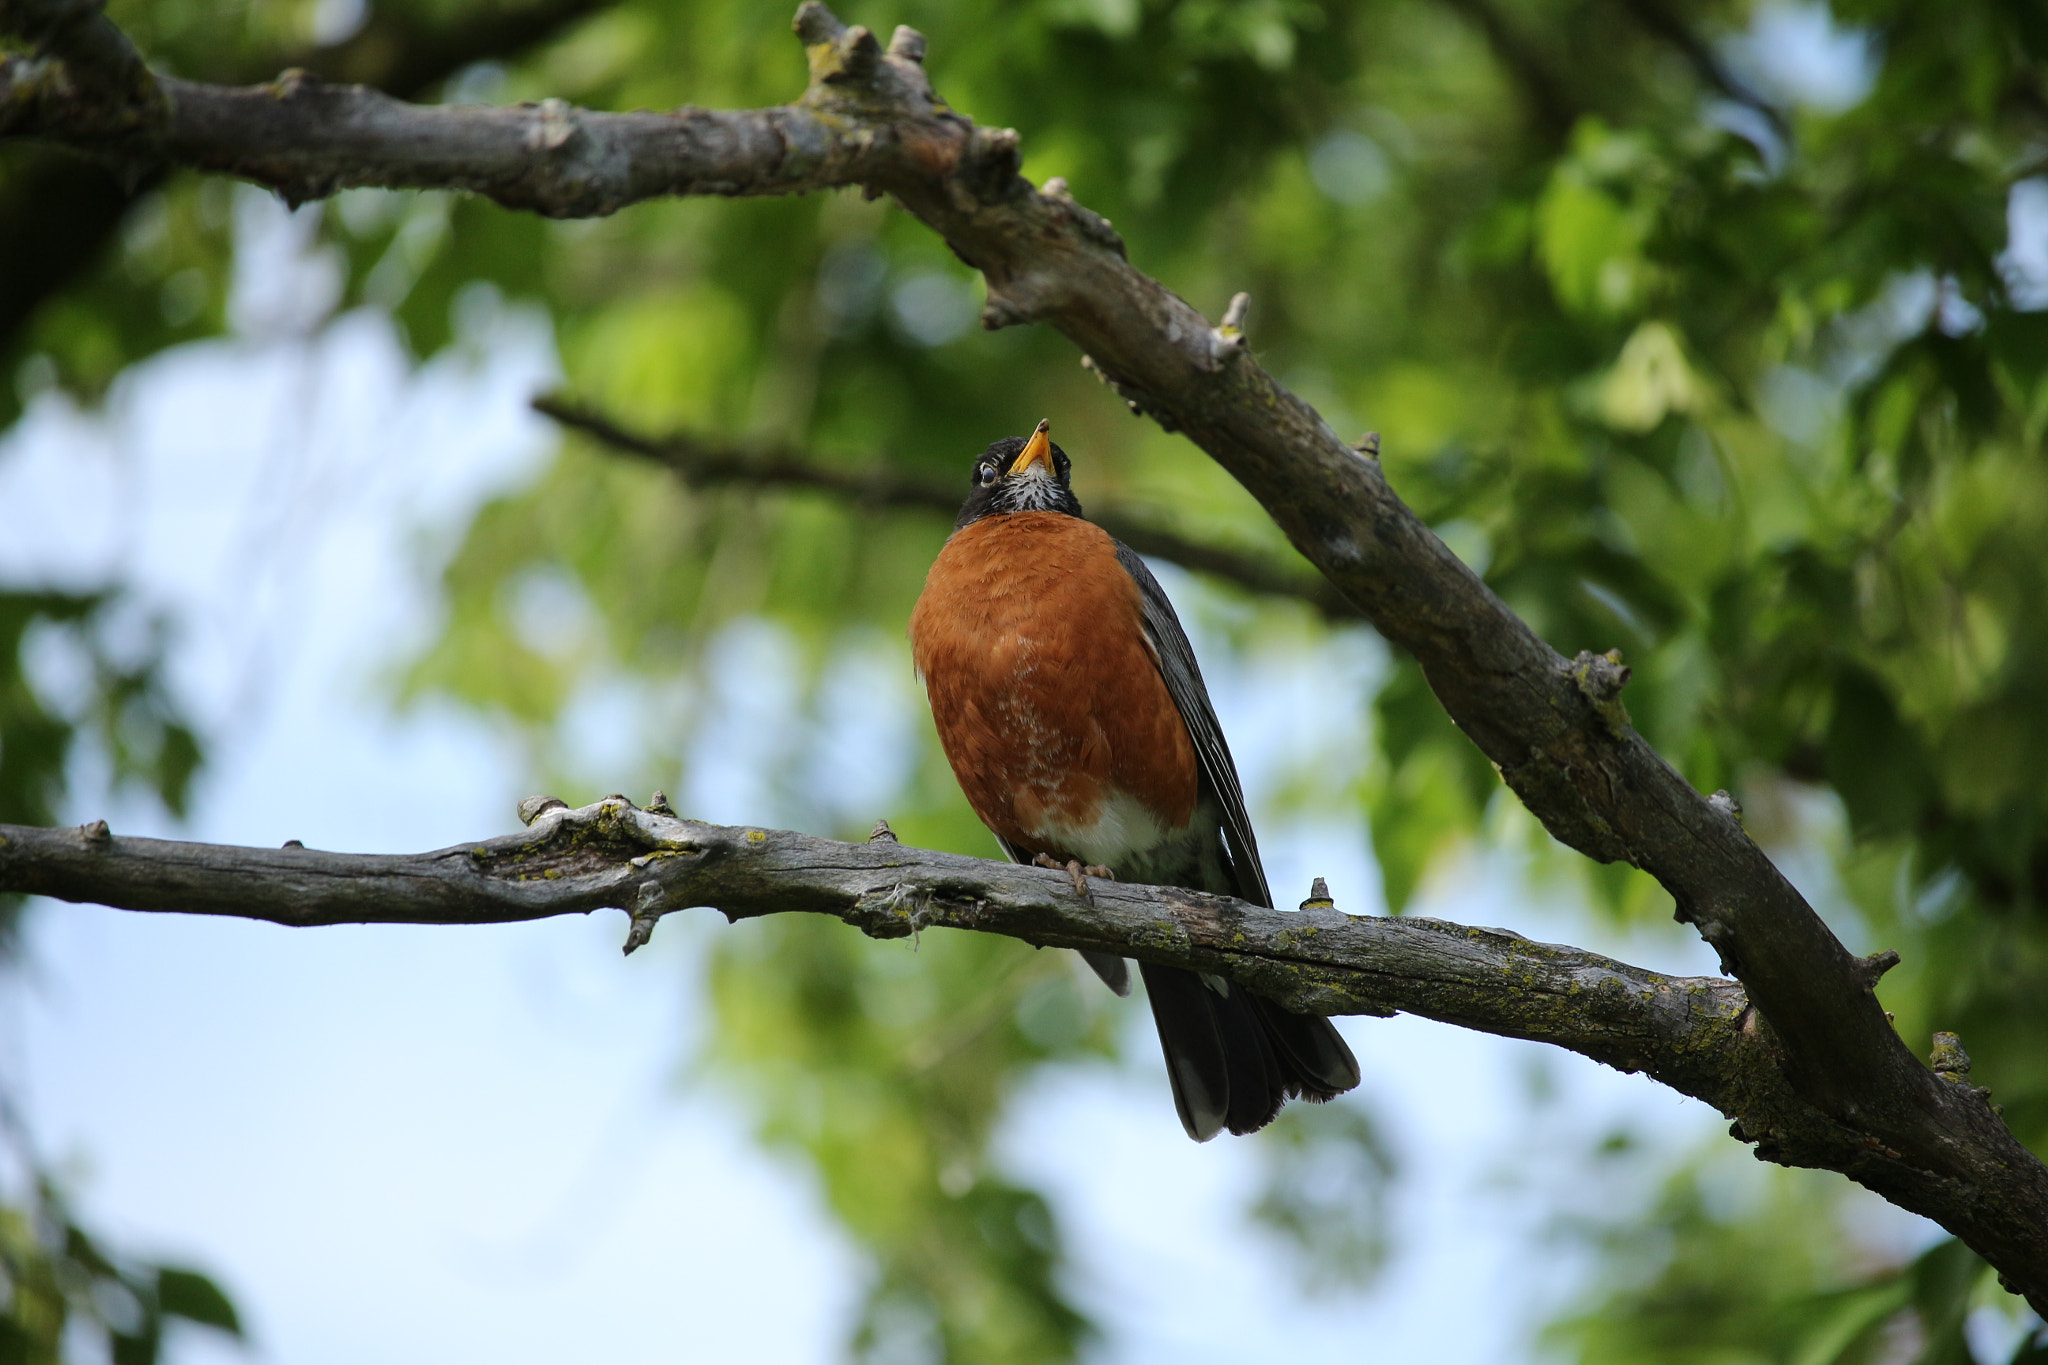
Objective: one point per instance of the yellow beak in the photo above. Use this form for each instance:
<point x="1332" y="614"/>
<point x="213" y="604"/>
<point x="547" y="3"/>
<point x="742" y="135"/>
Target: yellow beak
<point x="1037" y="451"/>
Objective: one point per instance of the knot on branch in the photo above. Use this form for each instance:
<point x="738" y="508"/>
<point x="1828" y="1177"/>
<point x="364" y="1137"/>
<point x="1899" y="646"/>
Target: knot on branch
<point x="1952" y="1064"/>
<point x="1601" y="677"/>
<point x="882" y="834"/>
<point x="96" y="834"/>
<point x="893" y="911"/>
<point x="1948" y="1058"/>
<point x="553" y="126"/>
<point x="1368" y="445"/>
<point x="1319" y="896"/>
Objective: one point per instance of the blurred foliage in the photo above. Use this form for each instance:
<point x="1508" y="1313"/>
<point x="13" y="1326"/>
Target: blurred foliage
<point x="78" y="665"/>
<point x="886" y="1065"/>
<point x="1772" y="1279"/>
<point x="1327" y="1175"/>
<point x="104" y="680"/>
<point x="1716" y="352"/>
<point x="62" y="1297"/>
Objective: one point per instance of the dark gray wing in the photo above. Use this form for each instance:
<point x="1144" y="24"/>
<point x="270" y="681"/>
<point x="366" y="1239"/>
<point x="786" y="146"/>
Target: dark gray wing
<point x="1184" y="684"/>
<point x="1251" y="1052"/>
<point x="1114" y="971"/>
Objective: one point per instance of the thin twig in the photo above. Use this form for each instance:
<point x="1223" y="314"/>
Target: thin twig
<point x="703" y="464"/>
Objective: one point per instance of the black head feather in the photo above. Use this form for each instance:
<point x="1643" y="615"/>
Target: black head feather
<point x="998" y="490"/>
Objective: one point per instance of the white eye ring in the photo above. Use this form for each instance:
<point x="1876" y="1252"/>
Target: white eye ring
<point x="985" y="475"/>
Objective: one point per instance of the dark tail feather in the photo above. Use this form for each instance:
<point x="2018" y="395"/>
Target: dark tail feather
<point x="1193" y="1044"/>
<point x="1235" y="1058"/>
<point x="1111" y="968"/>
<point x="1311" y="1048"/>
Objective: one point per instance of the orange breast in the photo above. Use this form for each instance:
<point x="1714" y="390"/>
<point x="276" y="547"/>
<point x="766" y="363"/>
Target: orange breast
<point x="1047" y="700"/>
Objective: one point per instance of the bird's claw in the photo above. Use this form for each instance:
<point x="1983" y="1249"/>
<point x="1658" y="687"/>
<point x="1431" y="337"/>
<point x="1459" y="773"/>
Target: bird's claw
<point x="1076" y="873"/>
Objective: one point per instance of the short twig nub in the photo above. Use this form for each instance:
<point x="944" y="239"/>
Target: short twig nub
<point x="1873" y="967"/>
<point x="860" y="51"/>
<point x="816" y="24"/>
<point x="646" y="914"/>
<point x="1601" y="676"/>
<point x="533" y="807"/>
<point x="1001" y="312"/>
<point x="907" y="43"/>
<point x="1227" y="338"/>
<point x="1319" y="896"/>
<point x="882" y="834"/>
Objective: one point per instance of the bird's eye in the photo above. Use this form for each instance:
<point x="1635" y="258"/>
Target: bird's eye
<point x="985" y="474"/>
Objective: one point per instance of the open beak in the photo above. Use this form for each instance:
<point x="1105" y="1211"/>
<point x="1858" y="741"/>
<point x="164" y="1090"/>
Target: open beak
<point x="1038" y="450"/>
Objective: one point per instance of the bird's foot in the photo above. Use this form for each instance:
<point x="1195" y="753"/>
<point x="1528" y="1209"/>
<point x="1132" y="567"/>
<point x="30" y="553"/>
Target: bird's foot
<point x="1076" y="873"/>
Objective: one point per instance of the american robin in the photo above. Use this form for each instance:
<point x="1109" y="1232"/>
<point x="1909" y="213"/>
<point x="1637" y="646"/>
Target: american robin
<point x="1072" y="710"/>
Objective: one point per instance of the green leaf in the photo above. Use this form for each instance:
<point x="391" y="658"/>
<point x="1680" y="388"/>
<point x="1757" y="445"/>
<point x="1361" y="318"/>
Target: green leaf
<point x="190" y="1295"/>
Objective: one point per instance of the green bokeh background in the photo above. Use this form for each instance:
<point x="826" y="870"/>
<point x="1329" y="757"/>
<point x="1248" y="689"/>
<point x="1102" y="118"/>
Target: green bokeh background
<point x="1691" y="360"/>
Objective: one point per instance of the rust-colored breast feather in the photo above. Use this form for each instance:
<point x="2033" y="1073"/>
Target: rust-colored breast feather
<point x="1046" y="697"/>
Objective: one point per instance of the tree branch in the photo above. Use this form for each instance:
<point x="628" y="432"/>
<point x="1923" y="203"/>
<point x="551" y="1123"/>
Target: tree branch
<point x="1697" y="1035"/>
<point x="1554" y="727"/>
<point x="702" y="464"/>
<point x="61" y="211"/>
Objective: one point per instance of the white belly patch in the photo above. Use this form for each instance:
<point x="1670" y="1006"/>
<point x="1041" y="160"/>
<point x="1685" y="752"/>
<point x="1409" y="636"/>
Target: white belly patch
<point x="1123" y="830"/>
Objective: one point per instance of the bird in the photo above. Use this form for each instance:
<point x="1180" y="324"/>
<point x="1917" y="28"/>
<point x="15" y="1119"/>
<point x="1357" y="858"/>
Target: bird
<point x="1073" y="713"/>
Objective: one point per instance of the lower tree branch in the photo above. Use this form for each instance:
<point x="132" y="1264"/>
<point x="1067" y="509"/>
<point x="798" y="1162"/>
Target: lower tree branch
<point x="704" y="464"/>
<point x="1554" y="727"/>
<point x="1697" y="1035"/>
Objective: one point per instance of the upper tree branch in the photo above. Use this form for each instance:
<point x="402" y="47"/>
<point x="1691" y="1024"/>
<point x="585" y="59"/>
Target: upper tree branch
<point x="1553" y="726"/>
<point x="62" y="211"/>
<point x="701" y="464"/>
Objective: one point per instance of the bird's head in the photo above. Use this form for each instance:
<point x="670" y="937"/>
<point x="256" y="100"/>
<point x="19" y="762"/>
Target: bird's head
<point x="1020" y="474"/>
